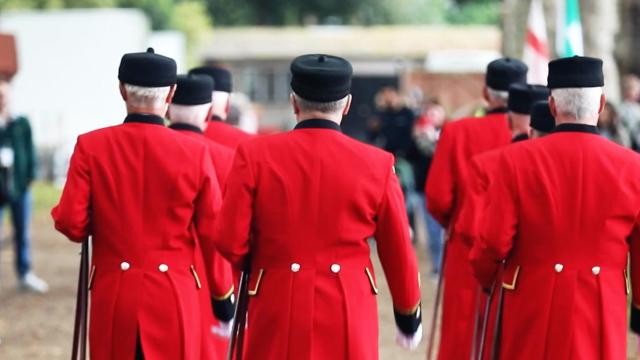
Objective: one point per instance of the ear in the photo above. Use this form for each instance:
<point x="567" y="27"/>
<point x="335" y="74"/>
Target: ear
<point x="168" y="116"/>
<point x="209" y="114"/>
<point x="123" y="91"/>
<point x="227" y="107"/>
<point x="552" y="107"/>
<point x="348" y="106"/>
<point x="294" y="103"/>
<point x="603" y="102"/>
<point x="172" y="92"/>
<point x="485" y="93"/>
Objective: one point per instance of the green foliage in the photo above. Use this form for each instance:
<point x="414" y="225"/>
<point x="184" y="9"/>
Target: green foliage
<point x="191" y="18"/>
<point x="475" y="12"/>
<point x="158" y="11"/>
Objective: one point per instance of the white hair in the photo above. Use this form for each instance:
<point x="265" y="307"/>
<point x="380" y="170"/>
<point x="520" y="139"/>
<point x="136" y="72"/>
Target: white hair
<point x="577" y="103"/>
<point x="146" y="96"/>
<point x="189" y="114"/>
<point x="322" y="107"/>
<point x="499" y="96"/>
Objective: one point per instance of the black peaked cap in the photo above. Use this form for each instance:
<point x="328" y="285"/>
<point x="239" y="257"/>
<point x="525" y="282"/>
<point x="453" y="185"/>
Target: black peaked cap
<point x="503" y="72"/>
<point x="193" y="90"/>
<point x="221" y="77"/>
<point x="523" y="96"/>
<point x="147" y="69"/>
<point x="575" y="72"/>
<point x="541" y="118"/>
<point x="321" y="78"/>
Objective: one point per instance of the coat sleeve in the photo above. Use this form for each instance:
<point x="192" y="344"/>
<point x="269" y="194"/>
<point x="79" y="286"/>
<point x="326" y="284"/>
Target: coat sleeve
<point x="440" y="189"/>
<point x="72" y="215"/>
<point x="476" y="186"/>
<point x="396" y="252"/>
<point x="495" y="236"/>
<point x="206" y="210"/>
<point x="234" y="224"/>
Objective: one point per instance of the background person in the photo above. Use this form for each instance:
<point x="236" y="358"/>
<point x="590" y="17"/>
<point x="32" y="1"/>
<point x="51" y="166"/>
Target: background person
<point x="18" y="170"/>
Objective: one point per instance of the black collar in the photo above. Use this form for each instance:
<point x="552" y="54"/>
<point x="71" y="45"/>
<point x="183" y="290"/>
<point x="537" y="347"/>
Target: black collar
<point x="318" y="124"/>
<point x="520" y="137"/>
<point x="573" y="127"/>
<point x="216" y="118"/>
<point x="186" y="127"/>
<point x="498" y="110"/>
<point x="144" y="118"/>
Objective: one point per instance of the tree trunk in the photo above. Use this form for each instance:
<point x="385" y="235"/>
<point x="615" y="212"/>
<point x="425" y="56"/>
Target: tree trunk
<point x="629" y="39"/>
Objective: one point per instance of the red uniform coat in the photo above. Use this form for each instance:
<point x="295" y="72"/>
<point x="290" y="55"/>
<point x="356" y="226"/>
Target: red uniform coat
<point x="141" y="193"/>
<point x="225" y="134"/>
<point x="446" y="193"/>
<point x="305" y="204"/>
<point x="561" y="210"/>
<point x="220" y="275"/>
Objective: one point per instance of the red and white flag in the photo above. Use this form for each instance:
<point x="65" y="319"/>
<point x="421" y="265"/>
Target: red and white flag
<point x="536" y="47"/>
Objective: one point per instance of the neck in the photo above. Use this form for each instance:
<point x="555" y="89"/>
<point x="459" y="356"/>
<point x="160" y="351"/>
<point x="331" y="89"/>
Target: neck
<point x="318" y="115"/>
<point x="199" y="124"/>
<point x="569" y="120"/>
<point x="158" y="111"/>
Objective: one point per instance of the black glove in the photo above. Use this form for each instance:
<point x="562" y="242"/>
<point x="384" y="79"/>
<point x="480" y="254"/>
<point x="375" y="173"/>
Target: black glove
<point x="635" y="320"/>
<point x="408" y="323"/>
<point x="223" y="309"/>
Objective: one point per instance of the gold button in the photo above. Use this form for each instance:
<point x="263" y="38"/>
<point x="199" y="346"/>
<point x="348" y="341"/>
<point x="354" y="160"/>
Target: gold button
<point x="163" y="267"/>
<point x="335" y="268"/>
<point x="558" y="267"/>
<point x="295" y="267"/>
<point x="124" y="266"/>
<point x="595" y="270"/>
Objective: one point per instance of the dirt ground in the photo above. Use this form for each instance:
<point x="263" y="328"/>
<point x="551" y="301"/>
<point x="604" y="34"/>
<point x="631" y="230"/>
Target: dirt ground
<point x="40" y="326"/>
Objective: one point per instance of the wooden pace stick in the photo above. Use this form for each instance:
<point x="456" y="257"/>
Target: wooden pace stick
<point x="436" y="305"/>
<point x="485" y="323"/>
<point x="79" y="347"/>
<point x="236" y="343"/>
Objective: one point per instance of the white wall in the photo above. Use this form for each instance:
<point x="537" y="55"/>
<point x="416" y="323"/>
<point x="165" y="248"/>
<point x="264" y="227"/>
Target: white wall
<point x="68" y="66"/>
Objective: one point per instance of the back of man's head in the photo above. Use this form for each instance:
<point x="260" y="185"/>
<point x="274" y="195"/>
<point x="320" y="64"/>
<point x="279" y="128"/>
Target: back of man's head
<point x="223" y="86"/>
<point x="321" y="86"/>
<point x="146" y="81"/>
<point x="576" y="89"/>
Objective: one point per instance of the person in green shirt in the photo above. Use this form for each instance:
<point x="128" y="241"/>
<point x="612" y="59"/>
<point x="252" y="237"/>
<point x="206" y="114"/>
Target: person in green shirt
<point x="17" y="171"/>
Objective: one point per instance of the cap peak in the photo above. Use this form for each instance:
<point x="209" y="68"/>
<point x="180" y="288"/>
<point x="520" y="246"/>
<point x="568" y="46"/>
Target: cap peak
<point x="150" y="50"/>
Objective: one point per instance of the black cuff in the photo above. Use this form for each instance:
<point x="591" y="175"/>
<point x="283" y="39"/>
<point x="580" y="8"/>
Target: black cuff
<point x="635" y="320"/>
<point x="223" y="309"/>
<point x="408" y="323"/>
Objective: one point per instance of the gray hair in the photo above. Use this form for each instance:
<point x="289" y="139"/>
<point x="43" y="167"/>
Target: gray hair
<point x="146" y="96"/>
<point x="500" y="96"/>
<point x="577" y="103"/>
<point x="323" y="107"/>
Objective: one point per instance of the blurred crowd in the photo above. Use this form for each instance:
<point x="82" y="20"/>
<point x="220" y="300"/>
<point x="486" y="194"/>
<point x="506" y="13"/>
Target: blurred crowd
<point x="408" y="125"/>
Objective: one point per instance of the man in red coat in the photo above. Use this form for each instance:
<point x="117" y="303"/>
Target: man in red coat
<point x="146" y="197"/>
<point x="446" y="195"/>
<point x="522" y="98"/>
<point x="188" y="113"/>
<point x="304" y="205"/>
<point x="217" y="128"/>
<point x="563" y="213"/>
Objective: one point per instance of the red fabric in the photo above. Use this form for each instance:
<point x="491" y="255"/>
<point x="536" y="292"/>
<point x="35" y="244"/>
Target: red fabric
<point x="314" y="197"/>
<point x="225" y="134"/>
<point x="220" y="274"/>
<point x="571" y="199"/>
<point x="447" y="193"/>
<point x="141" y="192"/>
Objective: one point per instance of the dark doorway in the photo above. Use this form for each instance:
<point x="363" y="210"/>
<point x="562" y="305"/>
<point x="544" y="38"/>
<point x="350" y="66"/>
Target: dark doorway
<point x="364" y="90"/>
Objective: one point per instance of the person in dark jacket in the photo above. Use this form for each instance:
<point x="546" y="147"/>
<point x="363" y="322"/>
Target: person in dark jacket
<point x="17" y="171"/>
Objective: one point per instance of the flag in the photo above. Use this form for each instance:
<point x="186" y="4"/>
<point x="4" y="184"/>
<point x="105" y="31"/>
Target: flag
<point x="536" y="48"/>
<point x="569" y="29"/>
